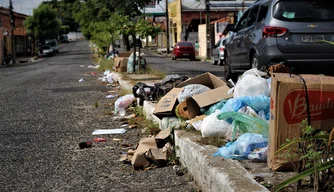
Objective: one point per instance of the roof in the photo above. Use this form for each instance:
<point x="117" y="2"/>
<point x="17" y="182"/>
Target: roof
<point x="215" y="5"/>
<point x="5" y="11"/>
<point x="224" y="19"/>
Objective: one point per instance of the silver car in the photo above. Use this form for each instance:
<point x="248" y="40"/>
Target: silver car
<point x="292" y="32"/>
<point x="218" y="52"/>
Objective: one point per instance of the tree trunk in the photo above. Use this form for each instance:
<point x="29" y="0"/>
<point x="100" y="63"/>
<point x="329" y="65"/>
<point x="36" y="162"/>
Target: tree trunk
<point x="126" y="42"/>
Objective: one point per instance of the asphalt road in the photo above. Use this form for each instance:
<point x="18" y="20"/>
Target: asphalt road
<point x="182" y="66"/>
<point x="46" y="112"/>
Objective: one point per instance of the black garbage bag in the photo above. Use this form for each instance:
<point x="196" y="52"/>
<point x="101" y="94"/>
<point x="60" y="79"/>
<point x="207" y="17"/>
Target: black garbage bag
<point x="153" y="93"/>
<point x="167" y="84"/>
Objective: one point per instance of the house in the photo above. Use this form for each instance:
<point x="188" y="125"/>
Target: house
<point x="22" y="44"/>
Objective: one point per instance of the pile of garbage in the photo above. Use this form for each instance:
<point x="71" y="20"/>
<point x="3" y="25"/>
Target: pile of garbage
<point x="256" y="115"/>
<point x="239" y="113"/>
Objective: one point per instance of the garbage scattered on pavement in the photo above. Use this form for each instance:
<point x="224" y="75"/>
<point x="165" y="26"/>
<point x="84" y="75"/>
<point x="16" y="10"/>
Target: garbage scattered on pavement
<point x="100" y="139"/>
<point x="108" y="131"/>
<point x="123" y="102"/>
<point x="93" y="67"/>
<point x="111" y="96"/>
<point x="85" y="144"/>
<point x="116" y="139"/>
<point x="82" y="66"/>
<point x="81" y="80"/>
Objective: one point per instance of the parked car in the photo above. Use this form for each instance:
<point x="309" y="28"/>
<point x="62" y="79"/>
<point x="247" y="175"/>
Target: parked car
<point x="64" y="39"/>
<point x="46" y="50"/>
<point x="277" y="31"/>
<point x="184" y="50"/>
<point x="53" y="44"/>
<point x="218" y="52"/>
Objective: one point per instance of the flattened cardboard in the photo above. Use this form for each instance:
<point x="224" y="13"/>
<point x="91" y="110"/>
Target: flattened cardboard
<point x="288" y="109"/>
<point x="167" y="103"/>
<point x="157" y="154"/>
<point x="163" y="134"/>
<point x="139" y="160"/>
<point x="206" y="79"/>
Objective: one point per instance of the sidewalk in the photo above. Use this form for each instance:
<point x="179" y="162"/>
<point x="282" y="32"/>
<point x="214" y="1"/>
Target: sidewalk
<point x="210" y="173"/>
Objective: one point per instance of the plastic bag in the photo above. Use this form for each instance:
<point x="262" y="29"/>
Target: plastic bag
<point x="124" y="102"/>
<point x="258" y="103"/>
<point x="217" y="106"/>
<point x="110" y="78"/>
<point x="255" y="72"/>
<point x="191" y="90"/>
<point x="243" y="147"/>
<point x="251" y="85"/>
<point x="130" y="62"/>
<point x="243" y="123"/>
<point x="212" y="126"/>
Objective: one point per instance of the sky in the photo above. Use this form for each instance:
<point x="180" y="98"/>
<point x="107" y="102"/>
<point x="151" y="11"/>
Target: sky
<point x="27" y="6"/>
<point x="22" y="6"/>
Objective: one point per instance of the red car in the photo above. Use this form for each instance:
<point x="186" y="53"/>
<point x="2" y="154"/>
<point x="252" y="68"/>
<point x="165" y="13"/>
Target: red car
<point x="184" y="50"/>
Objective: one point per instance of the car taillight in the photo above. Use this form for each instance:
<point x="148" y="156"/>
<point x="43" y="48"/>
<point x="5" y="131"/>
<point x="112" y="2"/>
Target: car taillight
<point x="222" y="49"/>
<point x="273" y="31"/>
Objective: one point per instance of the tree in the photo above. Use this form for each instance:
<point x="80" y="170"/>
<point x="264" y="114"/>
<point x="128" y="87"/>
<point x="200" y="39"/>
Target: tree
<point x="43" y="24"/>
<point x="64" y="29"/>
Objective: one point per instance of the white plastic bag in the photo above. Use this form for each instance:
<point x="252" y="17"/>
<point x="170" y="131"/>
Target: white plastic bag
<point x="251" y="85"/>
<point x="110" y="78"/>
<point x="191" y="90"/>
<point x="124" y="102"/>
<point x="212" y="126"/>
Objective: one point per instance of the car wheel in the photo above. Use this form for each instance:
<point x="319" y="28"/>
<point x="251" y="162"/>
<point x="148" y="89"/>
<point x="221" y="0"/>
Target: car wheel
<point x="214" y="62"/>
<point x="254" y="62"/>
<point x="221" y="62"/>
<point x="228" y="74"/>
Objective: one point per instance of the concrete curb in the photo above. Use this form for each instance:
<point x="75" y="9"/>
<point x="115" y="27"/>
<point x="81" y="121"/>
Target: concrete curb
<point x="210" y="173"/>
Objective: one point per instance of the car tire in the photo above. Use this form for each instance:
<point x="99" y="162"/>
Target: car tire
<point x="254" y="63"/>
<point x="214" y="62"/>
<point x="228" y="74"/>
<point x="221" y="62"/>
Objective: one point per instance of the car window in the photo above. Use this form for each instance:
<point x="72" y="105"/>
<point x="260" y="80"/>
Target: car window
<point x="52" y="44"/>
<point x="46" y="47"/>
<point x="242" y="23"/>
<point x="304" y="11"/>
<point x="263" y="12"/>
<point x="185" y="44"/>
<point x="252" y="16"/>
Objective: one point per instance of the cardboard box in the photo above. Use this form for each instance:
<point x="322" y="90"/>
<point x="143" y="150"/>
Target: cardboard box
<point x="125" y="54"/>
<point x="288" y="109"/>
<point x="120" y="64"/>
<point x="218" y="92"/>
<point x="139" y="159"/>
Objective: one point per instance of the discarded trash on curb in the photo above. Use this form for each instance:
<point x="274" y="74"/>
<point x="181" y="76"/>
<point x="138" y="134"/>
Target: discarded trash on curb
<point x="111" y="96"/>
<point x="100" y="139"/>
<point x="116" y="139"/>
<point x="82" y="66"/>
<point x="84" y="145"/>
<point x="81" y="80"/>
<point x="108" y="131"/>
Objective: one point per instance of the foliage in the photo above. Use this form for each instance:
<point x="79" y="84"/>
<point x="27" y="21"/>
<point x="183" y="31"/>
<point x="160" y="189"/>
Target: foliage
<point x="103" y="20"/>
<point x="315" y="152"/>
<point x="64" y="29"/>
<point x="43" y="23"/>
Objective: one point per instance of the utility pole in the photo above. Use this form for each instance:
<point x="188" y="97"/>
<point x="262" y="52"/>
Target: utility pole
<point x="208" y="37"/>
<point x="167" y="27"/>
<point x="11" y="15"/>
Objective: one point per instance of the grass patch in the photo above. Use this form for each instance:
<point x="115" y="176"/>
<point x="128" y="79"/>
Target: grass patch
<point x="123" y="92"/>
<point x="214" y="140"/>
<point x="105" y="64"/>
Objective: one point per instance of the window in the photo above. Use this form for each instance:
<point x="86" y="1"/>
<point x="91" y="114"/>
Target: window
<point x="263" y="13"/>
<point x="253" y="15"/>
<point x="242" y="23"/>
<point x="304" y="11"/>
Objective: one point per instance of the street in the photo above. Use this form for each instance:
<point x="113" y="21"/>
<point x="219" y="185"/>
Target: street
<point x="46" y="112"/>
<point x="182" y="66"/>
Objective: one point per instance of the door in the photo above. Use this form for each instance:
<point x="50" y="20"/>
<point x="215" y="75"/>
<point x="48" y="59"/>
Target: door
<point x="247" y="36"/>
<point x="235" y="47"/>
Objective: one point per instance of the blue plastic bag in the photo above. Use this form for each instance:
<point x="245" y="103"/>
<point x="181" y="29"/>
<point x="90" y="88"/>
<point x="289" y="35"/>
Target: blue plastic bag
<point x="258" y="103"/>
<point x="217" y="106"/>
<point x="243" y="147"/>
